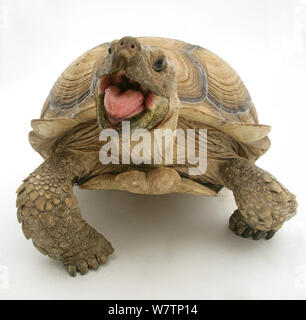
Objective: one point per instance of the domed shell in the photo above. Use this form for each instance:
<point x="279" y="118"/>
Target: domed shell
<point x="210" y="91"/>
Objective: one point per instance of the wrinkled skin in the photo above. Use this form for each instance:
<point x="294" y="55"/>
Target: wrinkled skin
<point x="48" y="209"/>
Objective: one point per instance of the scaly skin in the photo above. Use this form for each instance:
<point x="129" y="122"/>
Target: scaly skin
<point x="48" y="209"/>
<point x="50" y="216"/>
<point x="263" y="203"/>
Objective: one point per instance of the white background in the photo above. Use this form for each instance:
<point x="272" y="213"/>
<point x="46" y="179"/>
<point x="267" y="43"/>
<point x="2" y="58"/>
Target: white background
<point x="174" y="246"/>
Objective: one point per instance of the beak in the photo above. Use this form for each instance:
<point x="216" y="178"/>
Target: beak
<point x="127" y="50"/>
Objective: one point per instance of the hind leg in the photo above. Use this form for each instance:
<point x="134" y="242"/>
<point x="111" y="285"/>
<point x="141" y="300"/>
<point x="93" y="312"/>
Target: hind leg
<point x="263" y="203"/>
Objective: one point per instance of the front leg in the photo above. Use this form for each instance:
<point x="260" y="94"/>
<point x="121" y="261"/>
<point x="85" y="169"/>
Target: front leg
<point x="263" y="203"/>
<point x="50" y="216"/>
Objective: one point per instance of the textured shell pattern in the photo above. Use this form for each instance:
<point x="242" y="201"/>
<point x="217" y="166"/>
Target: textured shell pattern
<point x="210" y="91"/>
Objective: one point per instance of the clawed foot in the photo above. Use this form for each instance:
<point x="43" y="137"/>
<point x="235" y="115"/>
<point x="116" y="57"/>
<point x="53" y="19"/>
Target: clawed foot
<point x="50" y="216"/>
<point x="237" y="224"/>
<point x="85" y="250"/>
<point x="92" y="252"/>
<point x="263" y="203"/>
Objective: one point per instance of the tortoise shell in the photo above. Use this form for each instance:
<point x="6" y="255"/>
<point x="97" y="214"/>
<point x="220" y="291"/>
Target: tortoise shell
<point x="210" y="91"/>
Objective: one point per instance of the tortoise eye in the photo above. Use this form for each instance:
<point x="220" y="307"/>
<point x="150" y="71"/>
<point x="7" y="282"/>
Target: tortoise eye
<point x="159" y="64"/>
<point x="109" y="50"/>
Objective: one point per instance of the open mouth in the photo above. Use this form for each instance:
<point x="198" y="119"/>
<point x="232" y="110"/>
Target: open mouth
<point x="123" y="98"/>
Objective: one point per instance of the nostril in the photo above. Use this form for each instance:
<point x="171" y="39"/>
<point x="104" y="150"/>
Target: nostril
<point x="128" y="43"/>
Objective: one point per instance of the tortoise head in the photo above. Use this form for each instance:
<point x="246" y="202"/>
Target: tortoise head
<point x="136" y="83"/>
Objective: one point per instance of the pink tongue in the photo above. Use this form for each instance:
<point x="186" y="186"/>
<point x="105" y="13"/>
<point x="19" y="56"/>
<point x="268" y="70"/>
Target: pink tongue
<point x="124" y="105"/>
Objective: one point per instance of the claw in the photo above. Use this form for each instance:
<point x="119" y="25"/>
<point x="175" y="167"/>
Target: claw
<point x="259" y="234"/>
<point x="270" y="234"/>
<point x="82" y="267"/>
<point x="102" y="259"/>
<point x="93" y="263"/>
<point x="247" y="233"/>
<point x="71" y="270"/>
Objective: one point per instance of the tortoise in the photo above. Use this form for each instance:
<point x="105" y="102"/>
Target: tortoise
<point x="152" y="83"/>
